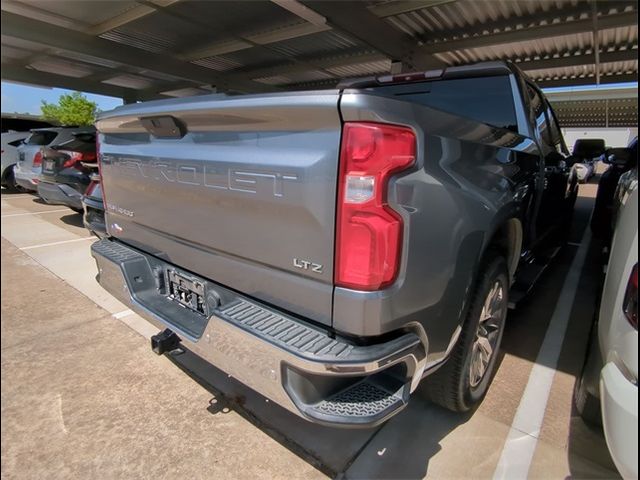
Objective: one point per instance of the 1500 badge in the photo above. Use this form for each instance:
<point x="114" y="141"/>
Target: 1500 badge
<point x="306" y="265"/>
<point x="122" y="211"/>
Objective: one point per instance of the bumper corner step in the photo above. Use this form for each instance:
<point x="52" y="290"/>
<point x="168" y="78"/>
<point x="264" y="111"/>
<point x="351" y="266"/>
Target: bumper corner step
<point x="366" y="403"/>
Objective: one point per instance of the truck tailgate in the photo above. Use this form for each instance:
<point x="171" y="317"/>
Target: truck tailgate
<point x="239" y="190"/>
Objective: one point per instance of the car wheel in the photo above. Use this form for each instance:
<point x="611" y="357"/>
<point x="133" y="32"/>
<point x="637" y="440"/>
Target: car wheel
<point x="587" y="384"/>
<point x="10" y="180"/>
<point x="462" y="382"/>
<point x="587" y="404"/>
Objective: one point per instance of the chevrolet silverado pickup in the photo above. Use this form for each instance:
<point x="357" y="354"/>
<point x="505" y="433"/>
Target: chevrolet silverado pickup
<point x="330" y="249"/>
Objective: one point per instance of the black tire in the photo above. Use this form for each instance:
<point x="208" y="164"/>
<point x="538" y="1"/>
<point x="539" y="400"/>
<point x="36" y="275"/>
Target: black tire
<point x="451" y="385"/>
<point x="10" y="180"/>
<point x="587" y="404"/>
<point x="585" y="392"/>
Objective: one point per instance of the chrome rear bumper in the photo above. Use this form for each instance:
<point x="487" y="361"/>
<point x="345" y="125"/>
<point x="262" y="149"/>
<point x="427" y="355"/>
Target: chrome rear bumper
<point x="323" y="378"/>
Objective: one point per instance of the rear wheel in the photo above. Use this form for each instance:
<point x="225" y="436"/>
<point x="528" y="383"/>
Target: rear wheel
<point x="10" y="180"/>
<point x="585" y="392"/>
<point x="462" y="382"/>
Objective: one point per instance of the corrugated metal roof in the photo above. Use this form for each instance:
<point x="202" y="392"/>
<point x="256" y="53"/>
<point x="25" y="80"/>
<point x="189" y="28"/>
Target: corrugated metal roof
<point x="217" y="63"/>
<point x="323" y="43"/>
<point x="258" y="44"/>
<point x="99" y="11"/>
<point x="583" y="71"/>
<point x="362" y="69"/>
<point x="131" y="81"/>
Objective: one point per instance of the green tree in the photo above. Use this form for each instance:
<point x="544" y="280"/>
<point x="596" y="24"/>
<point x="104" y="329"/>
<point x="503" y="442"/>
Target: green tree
<point x="72" y="109"/>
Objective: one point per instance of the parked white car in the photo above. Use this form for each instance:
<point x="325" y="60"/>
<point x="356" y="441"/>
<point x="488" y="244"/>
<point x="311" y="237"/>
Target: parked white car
<point x="10" y="143"/>
<point x="618" y="339"/>
<point x="607" y="391"/>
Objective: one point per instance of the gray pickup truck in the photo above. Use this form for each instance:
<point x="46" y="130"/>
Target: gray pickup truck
<point x="330" y="249"/>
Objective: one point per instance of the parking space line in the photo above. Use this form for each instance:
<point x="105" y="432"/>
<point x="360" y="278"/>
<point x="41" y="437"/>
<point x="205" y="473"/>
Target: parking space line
<point x="519" y="448"/>
<point x="124" y="313"/>
<point x="57" y="243"/>
<point x="35" y="213"/>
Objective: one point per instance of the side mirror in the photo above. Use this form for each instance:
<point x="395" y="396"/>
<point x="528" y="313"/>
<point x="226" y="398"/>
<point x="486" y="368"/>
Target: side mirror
<point x="619" y="157"/>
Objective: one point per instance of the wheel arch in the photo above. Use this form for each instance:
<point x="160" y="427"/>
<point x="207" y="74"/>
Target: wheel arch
<point x="507" y="238"/>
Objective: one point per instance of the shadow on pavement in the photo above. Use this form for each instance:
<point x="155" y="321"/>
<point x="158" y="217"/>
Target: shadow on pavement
<point x="73" y="219"/>
<point x="331" y="450"/>
<point x="588" y="453"/>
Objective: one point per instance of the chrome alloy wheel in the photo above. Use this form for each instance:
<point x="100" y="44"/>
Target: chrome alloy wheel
<point x="487" y="333"/>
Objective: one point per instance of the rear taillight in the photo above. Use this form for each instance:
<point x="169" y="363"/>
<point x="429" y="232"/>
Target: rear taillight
<point x="99" y="158"/>
<point x="76" y="157"/>
<point x="92" y="186"/>
<point x="369" y="232"/>
<point x="630" y="305"/>
<point x="37" y="159"/>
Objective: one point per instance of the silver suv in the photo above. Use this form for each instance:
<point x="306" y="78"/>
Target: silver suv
<point x="29" y="164"/>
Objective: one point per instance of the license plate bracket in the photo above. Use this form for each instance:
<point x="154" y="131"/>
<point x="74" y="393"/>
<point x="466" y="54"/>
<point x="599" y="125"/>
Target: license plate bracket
<point x="187" y="291"/>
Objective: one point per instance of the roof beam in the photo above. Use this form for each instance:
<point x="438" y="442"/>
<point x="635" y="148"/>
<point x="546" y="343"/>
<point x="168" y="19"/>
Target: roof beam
<point x="354" y="19"/>
<point x="46" y="79"/>
<point x="314" y="23"/>
<point x="135" y="13"/>
<point x="302" y="11"/>
<point x="31" y="11"/>
<point x="19" y="8"/>
<point x="532" y="33"/>
<point x="57" y="37"/>
<point x="324" y="63"/>
<point x="220" y="25"/>
<point x="248" y="41"/>
<point x="404" y="6"/>
<point x="596" y="39"/>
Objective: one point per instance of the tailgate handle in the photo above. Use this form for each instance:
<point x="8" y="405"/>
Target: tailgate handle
<point x="164" y="126"/>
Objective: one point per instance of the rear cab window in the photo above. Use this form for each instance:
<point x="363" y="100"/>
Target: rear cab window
<point x="484" y="99"/>
<point x="81" y="142"/>
<point x="42" y="137"/>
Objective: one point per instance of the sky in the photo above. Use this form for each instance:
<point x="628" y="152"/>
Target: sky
<point x="18" y="98"/>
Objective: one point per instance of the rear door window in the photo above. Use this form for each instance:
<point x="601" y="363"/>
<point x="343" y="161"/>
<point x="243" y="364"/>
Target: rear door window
<point x="554" y="130"/>
<point x="44" y="137"/>
<point x="484" y="99"/>
<point x="538" y="109"/>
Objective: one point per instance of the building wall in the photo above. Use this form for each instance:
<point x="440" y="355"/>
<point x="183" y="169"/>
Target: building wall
<point x="613" y="137"/>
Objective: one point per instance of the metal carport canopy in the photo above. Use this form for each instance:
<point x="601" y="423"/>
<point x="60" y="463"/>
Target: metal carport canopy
<point x="147" y="49"/>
